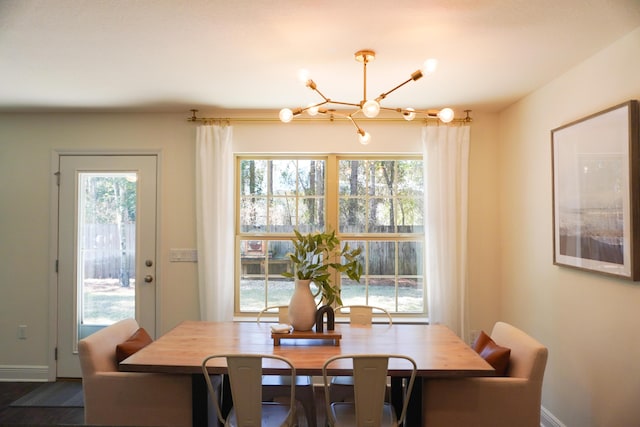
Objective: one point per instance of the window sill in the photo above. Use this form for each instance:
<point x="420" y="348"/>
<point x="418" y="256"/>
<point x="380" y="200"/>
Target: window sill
<point x="398" y="320"/>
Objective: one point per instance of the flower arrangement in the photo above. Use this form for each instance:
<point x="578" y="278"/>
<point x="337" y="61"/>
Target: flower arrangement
<point x="316" y="256"/>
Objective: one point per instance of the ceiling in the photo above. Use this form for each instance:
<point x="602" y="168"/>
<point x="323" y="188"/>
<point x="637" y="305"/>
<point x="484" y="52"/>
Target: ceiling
<point x="174" y="55"/>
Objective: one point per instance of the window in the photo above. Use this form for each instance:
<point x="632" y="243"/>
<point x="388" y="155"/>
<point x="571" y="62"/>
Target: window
<point x="375" y="203"/>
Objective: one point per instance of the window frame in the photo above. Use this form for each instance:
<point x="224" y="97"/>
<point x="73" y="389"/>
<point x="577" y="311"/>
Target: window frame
<point x="331" y="219"/>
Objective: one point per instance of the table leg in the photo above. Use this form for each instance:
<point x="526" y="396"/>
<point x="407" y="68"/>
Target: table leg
<point x="199" y="401"/>
<point x="201" y="406"/>
<point x="414" y="408"/>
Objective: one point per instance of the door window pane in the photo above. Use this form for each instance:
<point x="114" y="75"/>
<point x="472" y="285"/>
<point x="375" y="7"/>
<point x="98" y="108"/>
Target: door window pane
<point x="106" y="248"/>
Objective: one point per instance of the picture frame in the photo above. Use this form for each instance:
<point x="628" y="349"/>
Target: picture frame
<point x="596" y="200"/>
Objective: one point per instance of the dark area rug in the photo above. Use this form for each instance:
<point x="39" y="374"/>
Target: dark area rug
<point x="59" y="394"/>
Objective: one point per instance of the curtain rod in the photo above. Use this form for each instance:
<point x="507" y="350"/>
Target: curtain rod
<point x="228" y="120"/>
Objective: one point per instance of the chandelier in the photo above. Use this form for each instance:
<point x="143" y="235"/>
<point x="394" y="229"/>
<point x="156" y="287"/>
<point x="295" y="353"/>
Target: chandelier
<point x="369" y="107"/>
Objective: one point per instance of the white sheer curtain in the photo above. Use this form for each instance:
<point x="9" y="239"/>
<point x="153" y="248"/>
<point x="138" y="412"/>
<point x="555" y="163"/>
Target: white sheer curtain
<point x="446" y="158"/>
<point x="214" y="221"/>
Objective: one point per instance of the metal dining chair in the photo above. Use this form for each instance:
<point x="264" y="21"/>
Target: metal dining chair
<point x="342" y="386"/>
<point x="274" y="386"/>
<point x="363" y="314"/>
<point x="368" y="408"/>
<point x="245" y="377"/>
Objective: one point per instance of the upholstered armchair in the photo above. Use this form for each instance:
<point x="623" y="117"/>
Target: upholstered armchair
<point x="127" y="398"/>
<point x="513" y="400"/>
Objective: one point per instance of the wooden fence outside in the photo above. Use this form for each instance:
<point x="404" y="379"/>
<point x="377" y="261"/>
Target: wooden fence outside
<point x="108" y="251"/>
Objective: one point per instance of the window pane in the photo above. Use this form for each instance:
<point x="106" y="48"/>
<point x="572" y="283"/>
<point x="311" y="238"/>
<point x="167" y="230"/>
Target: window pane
<point x="311" y="215"/>
<point x="352" y="215"/>
<point x="107" y="247"/>
<point x="382" y="176"/>
<point x="253" y="214"/>
<point x="252" y="295"/>
<point x="411" y="295"/>
<point x="311" y="177"/>
<point x="282" y="214"/>
<point x="409" y="215"/>
<point x="410" y="258"/>
<point x="409" y="180"/>
<point x="381" y="257"/>
<point x="352" y="292"/>
<point x="382" y="293"/>
<point x="351" y="180"/>
<point x="253" y="177"/>
<point x="283" y="176"/>
<point x="381" y="216"/>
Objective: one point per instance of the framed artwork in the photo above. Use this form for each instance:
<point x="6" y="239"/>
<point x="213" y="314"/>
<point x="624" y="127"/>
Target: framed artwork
<point x="595" y="164"/>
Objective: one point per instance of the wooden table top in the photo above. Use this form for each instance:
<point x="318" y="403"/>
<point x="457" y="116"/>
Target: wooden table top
<point x="437" y="351"/>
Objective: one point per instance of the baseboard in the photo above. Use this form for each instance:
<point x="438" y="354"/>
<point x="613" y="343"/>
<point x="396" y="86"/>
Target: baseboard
<point x="24" y="373"/>
<point x="547" y="419"/>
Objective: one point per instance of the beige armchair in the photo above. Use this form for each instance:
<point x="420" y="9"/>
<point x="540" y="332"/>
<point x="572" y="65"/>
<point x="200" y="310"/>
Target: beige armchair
<point x="127" y="398"/>
<point x="508" y="401"/>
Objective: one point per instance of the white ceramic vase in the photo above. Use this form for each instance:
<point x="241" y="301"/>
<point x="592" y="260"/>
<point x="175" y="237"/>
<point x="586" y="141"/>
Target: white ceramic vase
<point x="302" y="307"/>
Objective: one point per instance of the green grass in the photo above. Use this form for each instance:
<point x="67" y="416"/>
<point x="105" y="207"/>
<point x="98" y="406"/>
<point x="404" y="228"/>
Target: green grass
<point x="107" y="306"/>
<point x="381" y="294"/>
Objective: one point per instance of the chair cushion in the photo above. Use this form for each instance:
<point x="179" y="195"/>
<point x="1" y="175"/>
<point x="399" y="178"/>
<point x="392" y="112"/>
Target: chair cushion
<point x="495" y="355"/>
<point x="134" y="343"/>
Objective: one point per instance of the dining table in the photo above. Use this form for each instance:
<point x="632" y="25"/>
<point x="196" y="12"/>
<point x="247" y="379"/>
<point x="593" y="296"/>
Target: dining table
<point x="436" y="349"/>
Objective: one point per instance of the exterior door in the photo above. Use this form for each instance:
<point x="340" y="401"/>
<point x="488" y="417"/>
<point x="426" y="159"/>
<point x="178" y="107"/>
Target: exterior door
<point x="106" y="248"/>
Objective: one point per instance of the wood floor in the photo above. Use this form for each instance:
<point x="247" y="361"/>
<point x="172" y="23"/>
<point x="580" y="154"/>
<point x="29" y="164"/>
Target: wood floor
<point x="9" y="416"/>
<point x="10" y="391"/>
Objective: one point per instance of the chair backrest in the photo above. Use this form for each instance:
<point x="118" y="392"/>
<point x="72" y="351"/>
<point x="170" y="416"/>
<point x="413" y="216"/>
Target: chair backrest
<point x="362" y="314"/>
<point x="283" y="313"/>
<point x="245" y="378"/>
<point x="528" y="356"/>
<point x="98" y="351"/>
<point x="370" y="384"/>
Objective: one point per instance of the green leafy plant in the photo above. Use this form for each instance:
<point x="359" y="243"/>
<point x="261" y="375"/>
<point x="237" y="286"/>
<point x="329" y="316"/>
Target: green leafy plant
<point x="317" y="255"/>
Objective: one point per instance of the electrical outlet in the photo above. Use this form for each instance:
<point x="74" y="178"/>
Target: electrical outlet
<point x="22" y="332"/>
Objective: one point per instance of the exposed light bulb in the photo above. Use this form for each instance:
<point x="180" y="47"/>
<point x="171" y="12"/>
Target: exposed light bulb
<point x="303" y="75"/>
<point x="286" y="115"/>
<point x="312" y="110"/>
<point x="409" y="114"/>
<point x="364" y="137"/>
<point x="446" y="115"/>
<point x="371" y="108"/>
<point x="430" y="66"/>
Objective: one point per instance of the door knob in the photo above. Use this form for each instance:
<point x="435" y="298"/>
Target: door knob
<point x="148" y="278"/>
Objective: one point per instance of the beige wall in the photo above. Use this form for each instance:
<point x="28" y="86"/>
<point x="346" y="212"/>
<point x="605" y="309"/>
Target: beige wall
<point x="589" y="322"/>
<point x="27" y="142"/>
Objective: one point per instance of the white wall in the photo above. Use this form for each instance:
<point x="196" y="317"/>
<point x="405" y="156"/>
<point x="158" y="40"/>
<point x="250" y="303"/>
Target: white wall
<point x="26" y="145"/>
<point x="589" y="322"/>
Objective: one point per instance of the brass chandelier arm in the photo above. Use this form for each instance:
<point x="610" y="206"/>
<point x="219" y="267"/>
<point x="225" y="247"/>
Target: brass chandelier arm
<point x="350" y="104"/>
<point x="415" y="76"/>
<point x="314" y="87"/>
